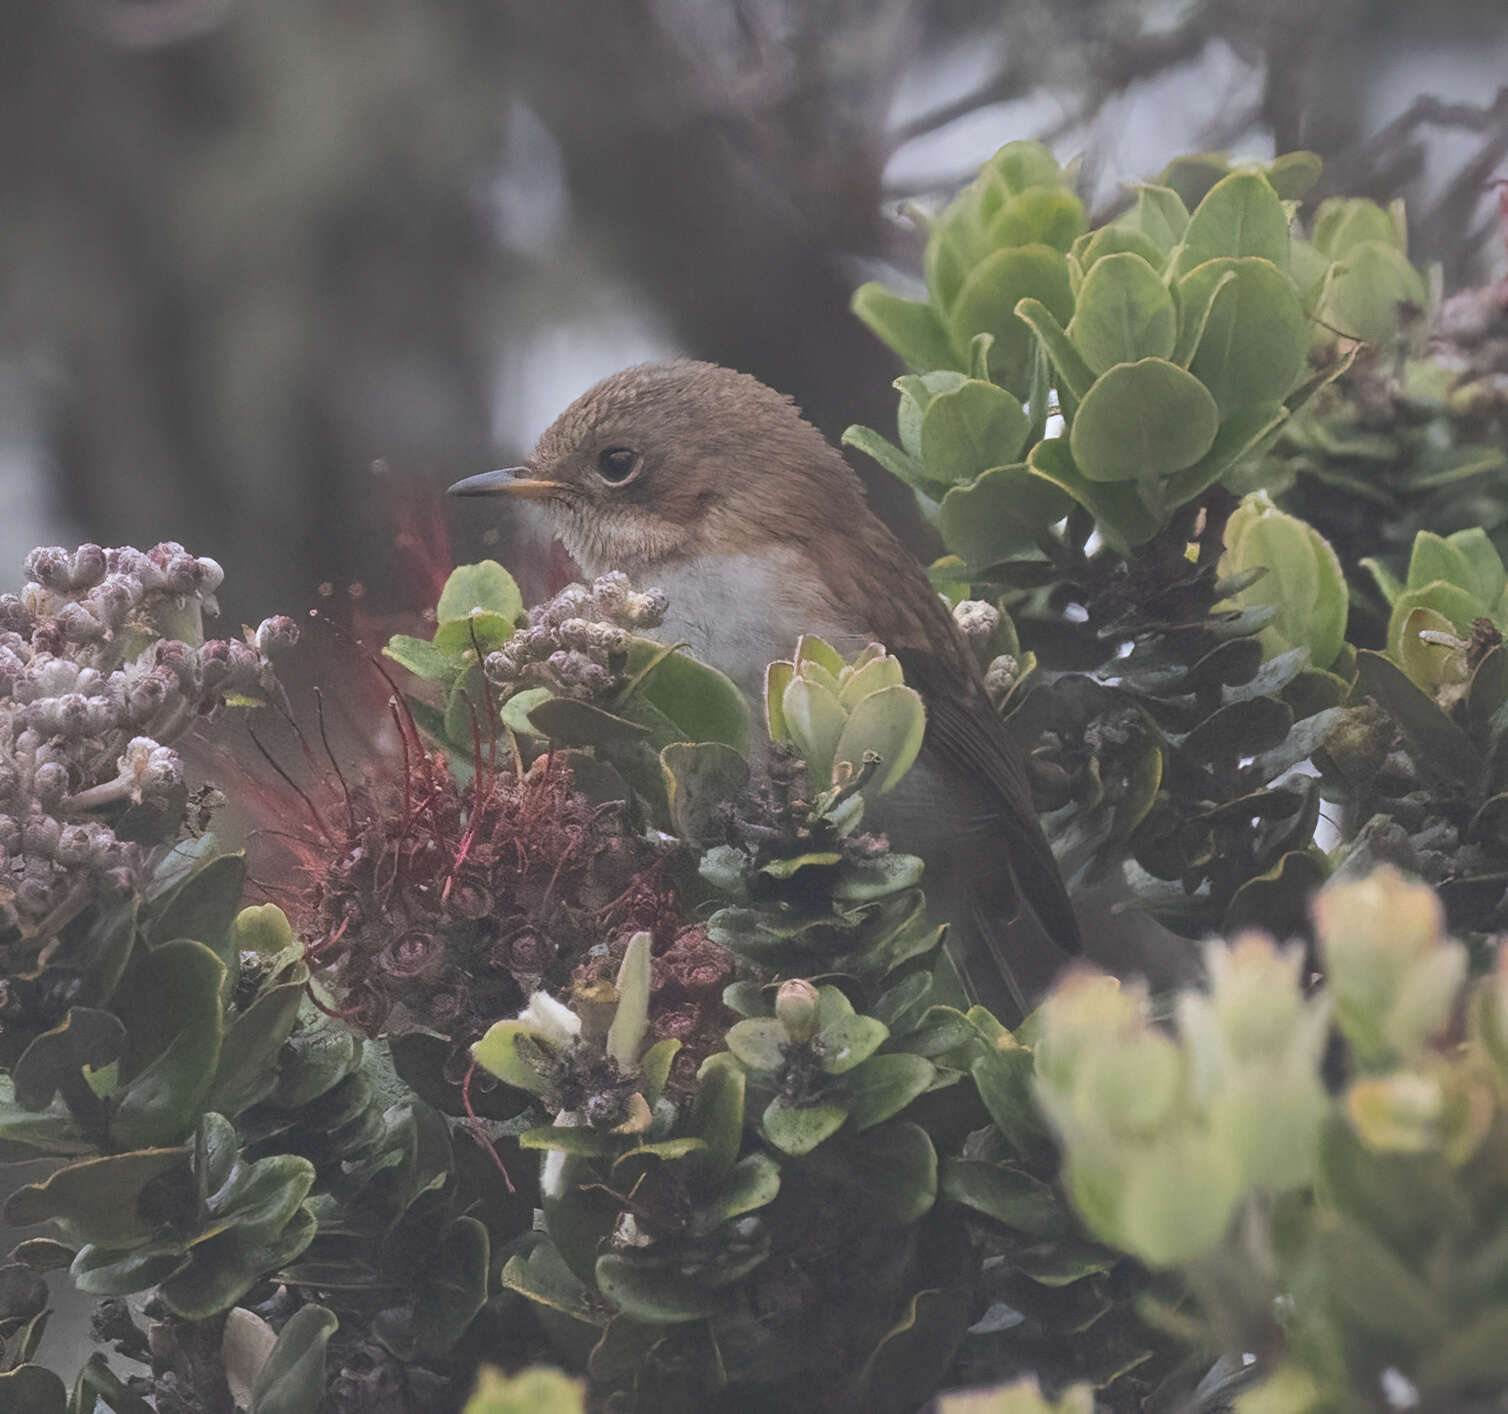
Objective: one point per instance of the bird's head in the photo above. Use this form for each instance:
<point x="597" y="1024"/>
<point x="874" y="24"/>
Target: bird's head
<point x="666" y="462"/>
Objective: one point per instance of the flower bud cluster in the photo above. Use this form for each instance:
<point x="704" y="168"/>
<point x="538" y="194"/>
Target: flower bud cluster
<point x="92" y="695"/>
<point x="576" y="644"/>
<point x="1178" y="1128"/>
<point x="977" y="620"/>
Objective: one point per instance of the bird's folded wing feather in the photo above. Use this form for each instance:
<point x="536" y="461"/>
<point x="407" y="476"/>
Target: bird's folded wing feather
<point x="968" y="740"/>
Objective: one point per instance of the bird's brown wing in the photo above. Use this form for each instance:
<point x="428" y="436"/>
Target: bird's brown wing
<point x="988" y="863"/>
<point x="968" y="740"/>
<point x="1013" y="926"/>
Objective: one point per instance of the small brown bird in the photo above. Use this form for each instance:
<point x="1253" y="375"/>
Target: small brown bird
<point x="713" y="487"/>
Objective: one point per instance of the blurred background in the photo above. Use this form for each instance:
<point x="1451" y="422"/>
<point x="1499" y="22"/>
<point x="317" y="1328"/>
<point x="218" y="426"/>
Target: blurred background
<point x="275" y="272"/>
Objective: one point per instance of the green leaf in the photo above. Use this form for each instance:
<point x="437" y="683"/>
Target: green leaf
<point x="292" y="1379"/>
<point x="798" y="1130"/>
<point x="1121" y="515"/>
<point x="974" y="427"/>
<point x="630" y="1024"/>
<point x="1241" y="728"/>
<point x="1124" y="312"/>
<point x="917" y="392"/>
<point x="1043" y="215"/>
<point x="1342" y="223"/>
<point x="654" y="1068"/>
<point x="890" y="1170"/>
<point x="1468" y="559"/>
<point x="423" y="658"/>
<point x="1178" y="1200"/>
<point x="57" y="1059"/>
<point x="248" y="1069"/>
<point x="262" y="928"/>
<point x="656" y="1294"/>
<point x="1241" y="436"/>
<point x="912" y="328"/>
<point x="43" y="1254"/>
<point x="987" y="304"/>
<point x="570" y="722"/>
<point x="889" y="456"/>
<point x="883" y="1086"/>
<point x="1377" y="1290"/>
<point x="110" y="1271"/>
<point x="170" y="1002"/>
<point x="846" y="1037"/>
<point x="861" y="880"/>
<point x="1294" y="173"/>
<point x="1074" y="374"/>
<point x="702" y="779"/>
<point x="1368" y="291"/>
<point x="1116" y="239"/>
<point x="532" y="1391"/>
<point x="453" y="1287"/>
<point x="98" y="1382"/>
<point x="224" y="1268"/>
<point x="1255" y="340"/>
<point x="1305" y="586"/>
<point x="32" y="1389"/>
<point x="1022" y="165"/>
<point x="203" y="907"/>
<point x="1240" y="215"/>
<point x="568" y="1139"/>
<point x="1007" y="1194"/>
<point x="1195" y="301"/>
<point x="476" y="635"/>
<point x="752" y="1183"/>
<point x="1142" y="422"/>
<point x="1000" y="516"/>
<point x="890" y="723"/>
<point x="1445" y="749"/>
<point x="1193" y="174"/>
<point x="717" y="1118"/>
<point x="486" y="586"/>
<point x="759" y="1042"/>
<point x="97" y="1200"/>
<point x="1003" y="1072"/>
<point x="515" y="711"/>
<point x="544" y="1278"/>
<point x="497" y="1055"/>
<point x="1158" y="214"/>
<point x="313" y="1062"/>
<point x="693" y="702"/>
<point x="815" y="719"/>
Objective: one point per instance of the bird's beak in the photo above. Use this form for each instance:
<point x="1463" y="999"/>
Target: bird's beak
<point x="510" y="481"/>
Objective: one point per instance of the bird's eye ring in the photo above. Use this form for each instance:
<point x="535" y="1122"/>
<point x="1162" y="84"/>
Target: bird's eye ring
<point x="618" y="465"/>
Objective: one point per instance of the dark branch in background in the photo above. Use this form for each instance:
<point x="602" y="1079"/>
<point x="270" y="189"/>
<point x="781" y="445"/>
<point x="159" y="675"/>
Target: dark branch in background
<point x="731" y="212"/>
<point x="1395" y="155"/>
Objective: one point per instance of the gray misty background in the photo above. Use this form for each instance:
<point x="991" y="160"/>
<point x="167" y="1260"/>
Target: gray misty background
<point x="274" y="272"/>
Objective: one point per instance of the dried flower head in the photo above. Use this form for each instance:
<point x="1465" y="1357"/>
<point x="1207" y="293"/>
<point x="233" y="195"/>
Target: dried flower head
<point x="103" y="667"/>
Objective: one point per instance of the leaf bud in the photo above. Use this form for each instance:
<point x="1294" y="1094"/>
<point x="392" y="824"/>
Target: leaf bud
<point x="796" y="1009"/>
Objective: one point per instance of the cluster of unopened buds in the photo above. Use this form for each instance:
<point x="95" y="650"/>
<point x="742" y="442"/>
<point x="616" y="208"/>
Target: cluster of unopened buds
<point x="977" y="621"/>
<point x="576" y="644"/>
<point x="101" y="669"/>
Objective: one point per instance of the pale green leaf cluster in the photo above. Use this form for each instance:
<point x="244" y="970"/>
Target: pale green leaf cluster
<point x="1303" y="582"/>
<point x="1453" y="582"/>
<point x="1165" y="1134"/>
<point x="1176" y="339"/>
<point x="851" y="721"/>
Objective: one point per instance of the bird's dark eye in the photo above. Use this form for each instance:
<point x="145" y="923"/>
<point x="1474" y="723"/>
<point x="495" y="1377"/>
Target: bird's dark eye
<point x="617" y="465"/>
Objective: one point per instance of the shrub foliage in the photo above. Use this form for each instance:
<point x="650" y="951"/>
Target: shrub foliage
<point x="575" y="1039"/>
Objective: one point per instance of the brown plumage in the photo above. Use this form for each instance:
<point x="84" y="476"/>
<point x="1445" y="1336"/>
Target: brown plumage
<point x="712" y="486"/>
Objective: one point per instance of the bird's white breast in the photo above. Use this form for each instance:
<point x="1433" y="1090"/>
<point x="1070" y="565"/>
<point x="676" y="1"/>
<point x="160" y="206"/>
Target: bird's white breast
<point x="740" y="612"/>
